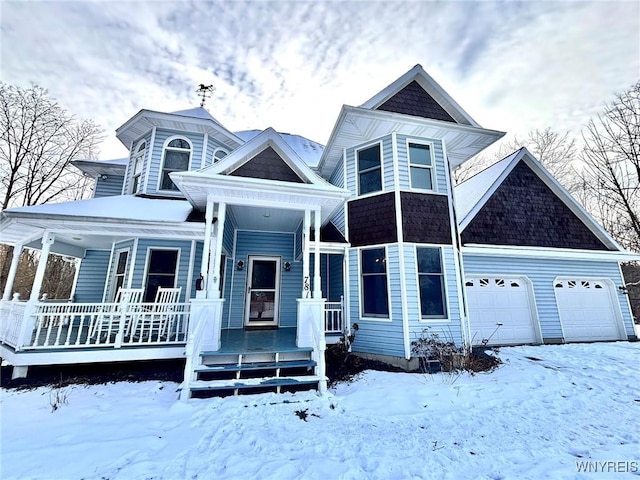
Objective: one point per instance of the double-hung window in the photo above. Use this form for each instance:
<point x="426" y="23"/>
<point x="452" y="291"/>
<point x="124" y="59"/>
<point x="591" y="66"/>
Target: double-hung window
<point x="138" y="160"/>
<point x="375" y="300"/>
<point x="431" y="282"/>
<point x="421" y="166"/>
<point x="176" y="159"/>
<point x="121" y="269"/>
<point x="369" y="169"/>
<point x="161" y="271"/>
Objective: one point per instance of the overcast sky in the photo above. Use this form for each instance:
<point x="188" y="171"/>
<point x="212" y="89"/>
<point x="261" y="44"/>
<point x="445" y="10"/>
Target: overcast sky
<point x="292" y="65"/>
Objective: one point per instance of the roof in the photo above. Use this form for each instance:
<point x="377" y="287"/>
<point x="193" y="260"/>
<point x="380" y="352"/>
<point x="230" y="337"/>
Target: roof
<point x="430" y="86"/>
<point x="193" y="120"/>
<point x="469" y="192"/>
<point x="93" y="168"/>
<point x="118" y="207"/>
<point x="307" y="150"/>
<point x="198" y="112"/>
<point x="471" y="195"/>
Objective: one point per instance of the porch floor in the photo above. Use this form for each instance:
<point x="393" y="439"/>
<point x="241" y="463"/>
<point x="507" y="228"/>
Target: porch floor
<point x="238" y="340"/>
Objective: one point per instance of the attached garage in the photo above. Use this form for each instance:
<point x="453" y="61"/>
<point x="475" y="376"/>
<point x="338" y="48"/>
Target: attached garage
<point x="587" y="310"/>
<point x="501" y="310"/>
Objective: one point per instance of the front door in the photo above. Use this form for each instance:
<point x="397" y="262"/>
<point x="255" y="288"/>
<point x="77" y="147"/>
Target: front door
<point x="263" y="291"/>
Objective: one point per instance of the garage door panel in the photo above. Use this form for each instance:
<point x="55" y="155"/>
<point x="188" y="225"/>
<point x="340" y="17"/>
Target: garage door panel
<point x="500" y="311"/>
<point x="586" y="310"/>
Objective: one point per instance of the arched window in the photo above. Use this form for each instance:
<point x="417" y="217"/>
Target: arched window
<point x="219" y="155"/>
<point x="177" y="153"/>
<point x="138" y="161"/>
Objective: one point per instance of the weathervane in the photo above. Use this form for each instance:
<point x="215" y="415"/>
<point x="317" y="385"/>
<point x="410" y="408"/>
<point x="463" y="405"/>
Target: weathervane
<point x="205" y="91"/>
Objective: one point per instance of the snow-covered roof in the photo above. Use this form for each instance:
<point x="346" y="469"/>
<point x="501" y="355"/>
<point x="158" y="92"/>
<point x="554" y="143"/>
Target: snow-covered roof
<point x="469" y="193"/>
<point x="198" y="112"/>
<point x="116" y="166"/>
<point x="119" y="207"/>
<point x="306" y="149"/>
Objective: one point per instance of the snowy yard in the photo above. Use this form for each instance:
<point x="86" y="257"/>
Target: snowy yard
<point x="544" y="411"/>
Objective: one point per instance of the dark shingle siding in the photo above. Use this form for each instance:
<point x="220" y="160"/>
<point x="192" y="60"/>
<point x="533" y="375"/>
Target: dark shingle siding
<point x="267" y="165"/>
<point x="524" y="211"/>
<point x="413" y="100"/>
<point x="372" y="220"/>
<point x="425" y="218"/>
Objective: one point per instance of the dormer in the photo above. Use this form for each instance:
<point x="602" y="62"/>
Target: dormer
<point x="163" y="143"/>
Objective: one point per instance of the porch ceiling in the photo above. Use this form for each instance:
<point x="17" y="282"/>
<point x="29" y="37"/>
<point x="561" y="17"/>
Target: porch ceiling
<point x="74" y="236"/>
<point x="258" y="197"/>
<point x="265" y="218"/>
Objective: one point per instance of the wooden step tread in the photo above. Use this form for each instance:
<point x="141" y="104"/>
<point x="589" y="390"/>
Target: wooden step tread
<point x="201" y="385"/>
<point x="256" y="366"/>
<point x="214" y="353"/>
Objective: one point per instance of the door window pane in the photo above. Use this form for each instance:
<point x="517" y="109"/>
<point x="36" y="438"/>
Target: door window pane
<point x="263" y="274"/>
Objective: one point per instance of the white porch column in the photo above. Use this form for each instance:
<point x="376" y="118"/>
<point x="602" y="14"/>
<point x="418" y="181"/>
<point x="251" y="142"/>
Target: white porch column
<point x="13" y="269"/>
<point x="317" y="285"/>
<point x="204" y="263"/>
<point x="47" y="241"/>
<point x="306" y="227"/>
<point x="213" y="287"/>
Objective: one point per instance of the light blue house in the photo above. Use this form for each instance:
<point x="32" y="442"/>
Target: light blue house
<point x="246" y="252"/>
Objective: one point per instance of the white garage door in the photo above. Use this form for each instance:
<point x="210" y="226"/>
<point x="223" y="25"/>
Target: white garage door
<point x="586" y="310"/>
<point x="500" y="311"/>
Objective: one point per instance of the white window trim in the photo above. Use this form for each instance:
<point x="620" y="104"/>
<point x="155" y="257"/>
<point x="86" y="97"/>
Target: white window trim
<point x="432" y="168"/>
<point x="145" y="277"/>
<point x="164" y="152"/>
<point x="433" y="319"/>
<point x="138" y="156"/>
<point x="364" y="316"/>
<point x="114" y="275"/>
<point x="357" y="169"/>
<point x="213" y="157"/>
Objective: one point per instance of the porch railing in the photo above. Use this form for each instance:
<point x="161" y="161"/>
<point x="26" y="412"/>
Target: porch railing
<point x="333" y="316"/>
<point x="11" y="320"/>
<point x="82" y="325"/>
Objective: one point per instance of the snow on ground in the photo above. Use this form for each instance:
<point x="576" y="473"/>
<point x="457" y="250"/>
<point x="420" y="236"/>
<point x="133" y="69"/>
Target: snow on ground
<point x="546" y="409"/>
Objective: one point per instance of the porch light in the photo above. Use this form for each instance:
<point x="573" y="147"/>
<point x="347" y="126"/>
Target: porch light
<point x="240" y="265"/>
<point x="287" y="266"/>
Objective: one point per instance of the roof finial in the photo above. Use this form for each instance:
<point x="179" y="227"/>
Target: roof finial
<point x="205" y="91"/>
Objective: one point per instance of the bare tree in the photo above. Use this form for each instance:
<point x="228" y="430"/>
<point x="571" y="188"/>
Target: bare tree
<point x="611" y="173"/>
<point x="556" y="151"/>
<point x="38" y="140"/>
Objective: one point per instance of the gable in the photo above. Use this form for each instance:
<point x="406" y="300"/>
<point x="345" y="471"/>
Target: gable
<point x="267" y="165"/>
<point x="524" y="211"/>
<point x="414" y="100"/>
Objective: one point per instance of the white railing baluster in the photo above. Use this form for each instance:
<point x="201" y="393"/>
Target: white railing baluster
<point x="75" y="325"/>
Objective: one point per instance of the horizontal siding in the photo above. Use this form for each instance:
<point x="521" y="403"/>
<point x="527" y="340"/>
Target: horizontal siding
<point x="212" y="146"/>
<point x="139" y="281"/>
<point x="92" y="276"/>
<point x="337" y="179"/>
<point x="387" y="163"/>
<point x="197" y="139"/>
<point x="109" y="187"/>
<point x="447" y="329"/>
<point x="542" y="273"/>
<point x="403" y="163"/>
<point x="335" y="278"/>
<point x="379" y="337"/>
<point x="266" y="243"/>
<point x="298" y="242"/>
<point x="229" y="232"/>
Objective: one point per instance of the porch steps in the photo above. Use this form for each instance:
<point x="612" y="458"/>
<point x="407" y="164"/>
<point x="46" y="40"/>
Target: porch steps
<point x="222" y="373"/>
<point x="256" y="366"/>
